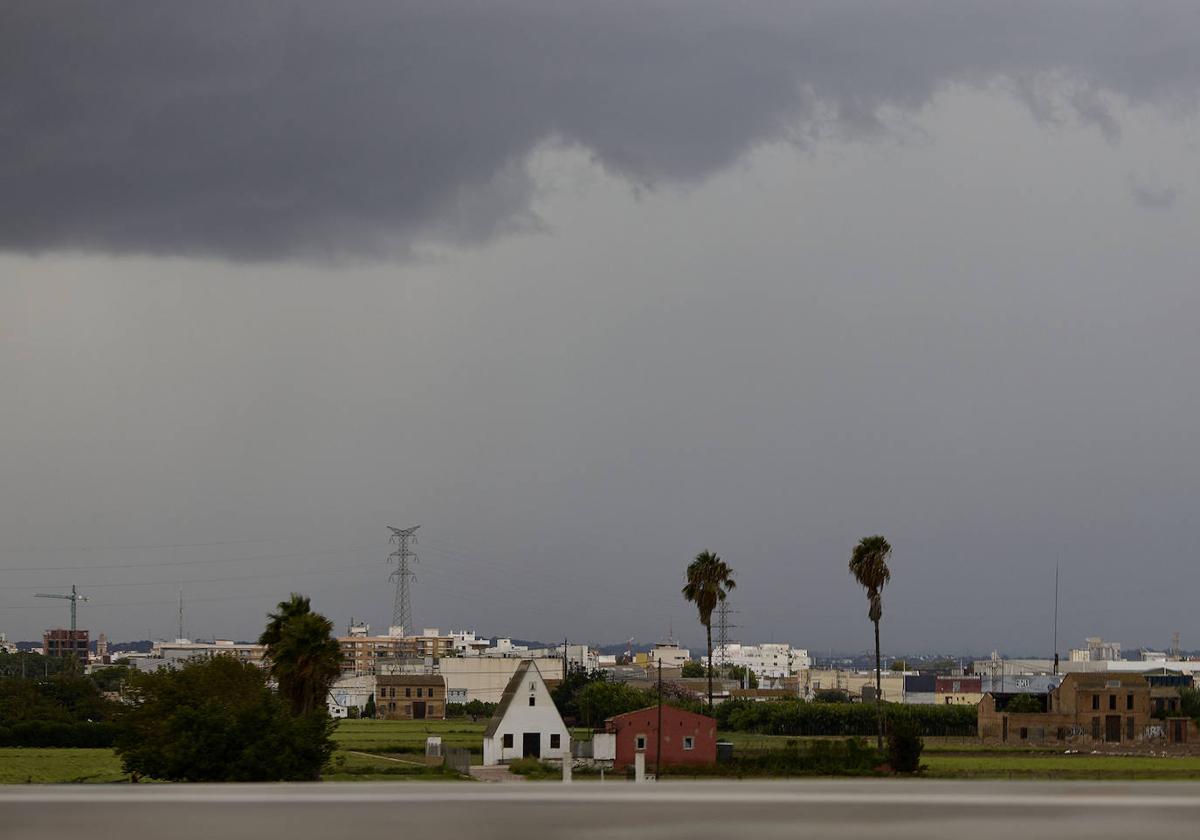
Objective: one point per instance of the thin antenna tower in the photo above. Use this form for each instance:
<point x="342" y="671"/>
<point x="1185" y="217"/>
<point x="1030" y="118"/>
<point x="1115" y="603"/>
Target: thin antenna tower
<point x="1056" y="617"/>
<point x="402" y="605"/>
<point x="180" y="637"/>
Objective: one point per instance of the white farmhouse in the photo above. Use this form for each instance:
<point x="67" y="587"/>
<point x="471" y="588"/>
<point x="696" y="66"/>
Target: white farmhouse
<point x="526" y="723"/>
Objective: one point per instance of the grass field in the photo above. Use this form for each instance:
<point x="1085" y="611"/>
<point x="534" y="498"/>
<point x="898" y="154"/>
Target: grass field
<point x="22" y="765"/>
<point x="1060" y="766"/>
<point x="407" y="736"/>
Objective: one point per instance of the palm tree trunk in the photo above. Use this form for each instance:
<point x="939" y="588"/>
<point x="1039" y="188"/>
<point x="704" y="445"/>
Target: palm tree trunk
<point x="878" y="689"/>
<point x="708" y="627"/>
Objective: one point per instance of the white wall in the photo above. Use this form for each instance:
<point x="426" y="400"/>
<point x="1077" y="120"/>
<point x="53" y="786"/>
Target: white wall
<point x="542" y="717"/>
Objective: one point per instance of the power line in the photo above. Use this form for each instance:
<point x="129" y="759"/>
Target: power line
<point x="402" y="604"/>
<point x="30" y="549"/>
<point x="165" y="563"/>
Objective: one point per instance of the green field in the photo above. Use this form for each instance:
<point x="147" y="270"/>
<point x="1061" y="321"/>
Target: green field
<point x="23" y="765"/>
<point x="407" y="736"/>
<point x="1059" y="766"/>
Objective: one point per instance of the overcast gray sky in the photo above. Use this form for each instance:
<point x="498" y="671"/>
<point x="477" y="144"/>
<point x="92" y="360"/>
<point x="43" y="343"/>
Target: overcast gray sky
<point x="584" y="289"/>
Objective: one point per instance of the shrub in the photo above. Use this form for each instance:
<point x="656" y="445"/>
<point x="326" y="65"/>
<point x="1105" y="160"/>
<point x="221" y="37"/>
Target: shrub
<point x="1024" y="704"/>
<point x="796" y="717"/>
<point x="851" y="757"/>
<point x="217" y="720"/>
<point x="904" y="746"/>
<point x="532" y="768"/>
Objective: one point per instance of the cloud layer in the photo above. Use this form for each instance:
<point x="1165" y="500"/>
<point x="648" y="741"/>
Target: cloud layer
<point x="262" y="131"/>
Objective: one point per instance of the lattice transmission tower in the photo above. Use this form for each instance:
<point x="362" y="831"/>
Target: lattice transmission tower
<point x="403" y="574"/>
<point x="723" y="628"/>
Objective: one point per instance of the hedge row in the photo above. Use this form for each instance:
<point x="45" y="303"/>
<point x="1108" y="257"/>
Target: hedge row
<point x="796" y="717"/>
<point x="45" y="733"/>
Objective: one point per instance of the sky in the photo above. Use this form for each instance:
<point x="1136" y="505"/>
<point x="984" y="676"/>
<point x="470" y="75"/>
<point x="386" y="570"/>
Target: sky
<point x="585" y="289"/>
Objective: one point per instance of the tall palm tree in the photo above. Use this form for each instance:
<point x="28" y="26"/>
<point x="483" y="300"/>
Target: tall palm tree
<point x="305" y="658"/>
<point x="708" y="581"/>
<point x="294" y="606"/>
<point x="868" y="564"/>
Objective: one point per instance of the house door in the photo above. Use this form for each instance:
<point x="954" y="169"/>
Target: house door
<point x="419" y="710"/>
<point x="1112" y="728"/>
<point x="531" y="745"/>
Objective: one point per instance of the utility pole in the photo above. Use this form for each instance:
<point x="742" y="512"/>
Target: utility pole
<point x="74" y="597"/>
<point x="658" y="747"/>
<point x="566" y="662"/>
<point x="402" y="605"/>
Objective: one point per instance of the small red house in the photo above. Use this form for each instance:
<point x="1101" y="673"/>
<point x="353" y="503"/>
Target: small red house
<point x="687" y="738"/>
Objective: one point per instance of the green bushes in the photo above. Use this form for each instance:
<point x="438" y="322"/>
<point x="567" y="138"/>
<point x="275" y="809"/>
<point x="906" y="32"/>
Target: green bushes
<point x="56" y="733"/>
<point x="475" y="710"/>
<point x="217" y="720"/>
<point x="851" y="757"/>
<point x="904" y="746"/>
<point x="798" y="718"/>
<point x="532" y="768"/>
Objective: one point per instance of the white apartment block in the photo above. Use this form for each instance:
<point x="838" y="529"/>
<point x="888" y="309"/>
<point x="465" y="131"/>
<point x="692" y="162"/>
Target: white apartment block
<point x="770" y="660"/>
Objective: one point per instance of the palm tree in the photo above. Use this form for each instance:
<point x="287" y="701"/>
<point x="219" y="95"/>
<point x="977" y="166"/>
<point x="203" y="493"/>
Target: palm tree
<point x="295" y="606"/>
<point x="708" y="580"/>
<point x="868" y="564"/>
<point x="305" y="658"/>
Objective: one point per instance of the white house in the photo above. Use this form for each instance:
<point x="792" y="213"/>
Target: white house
<point x="526" y="723"/>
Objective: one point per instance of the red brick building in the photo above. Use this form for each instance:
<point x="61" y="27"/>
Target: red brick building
<point x="60" y="643"/>
<point x="687" y="738"/>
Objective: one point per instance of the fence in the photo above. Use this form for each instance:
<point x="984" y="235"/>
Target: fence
<point x="457" y="759"/>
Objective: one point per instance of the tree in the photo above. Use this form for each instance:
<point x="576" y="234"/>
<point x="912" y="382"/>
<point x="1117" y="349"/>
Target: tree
<point x="868" y="564"/>
<point x="709" y="579"/>
<point x="369" y="709"/>
<point x="217" y="720"/>
<point x="692" y="669"/>
<point x="1024" y="704"/>
<point x="743" y="674"/>
<point x="305" y="658"/>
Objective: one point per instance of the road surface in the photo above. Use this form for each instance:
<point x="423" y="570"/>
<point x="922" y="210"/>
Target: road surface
<point x="695" y="810"/>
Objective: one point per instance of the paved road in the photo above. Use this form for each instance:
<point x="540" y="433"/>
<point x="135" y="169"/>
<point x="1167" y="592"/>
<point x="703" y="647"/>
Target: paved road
<point x="697" y="811"/>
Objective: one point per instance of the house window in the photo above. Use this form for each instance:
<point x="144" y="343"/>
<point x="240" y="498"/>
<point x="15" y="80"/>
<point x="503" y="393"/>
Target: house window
<point x="1024" y="733"/>
<point x="408" y="692"/>
<point x="508" y="741"/>
<point x="689" y="743"/>
<point x="1095" y="702"/>
<point x="1129" y="702"/>
<point x="1112" y="702"/>
<point x="419" y="692"/>
<point x="1129" y="728"/>
<point x="555" y="741"/>
<point x="532" y="700"/>
<point x="640" y="742"/>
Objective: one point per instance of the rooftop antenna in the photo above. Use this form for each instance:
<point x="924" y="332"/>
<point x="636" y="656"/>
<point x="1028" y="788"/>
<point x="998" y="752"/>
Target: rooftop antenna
<point x="74" y="597"/>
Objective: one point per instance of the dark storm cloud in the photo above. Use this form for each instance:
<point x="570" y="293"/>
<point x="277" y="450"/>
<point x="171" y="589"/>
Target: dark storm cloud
<point x="267" y="130"/>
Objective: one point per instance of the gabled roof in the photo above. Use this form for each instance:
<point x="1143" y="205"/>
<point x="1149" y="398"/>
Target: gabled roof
<point x="666" y="706"/>
<point x="510" y="691"/>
